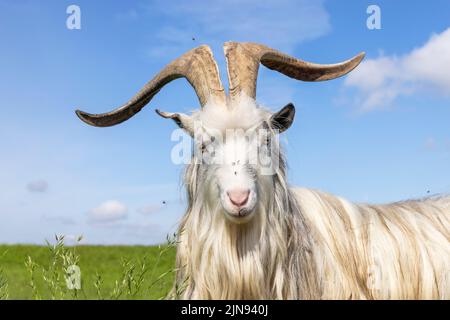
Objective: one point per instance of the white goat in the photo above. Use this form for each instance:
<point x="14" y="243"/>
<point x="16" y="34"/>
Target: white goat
<point x="247" y="235"/>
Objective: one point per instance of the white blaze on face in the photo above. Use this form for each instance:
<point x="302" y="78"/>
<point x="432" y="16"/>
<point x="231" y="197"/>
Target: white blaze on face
<point x="236" y="155"/>
<point x="236" y="176"/>
<point x="233" y="160"/>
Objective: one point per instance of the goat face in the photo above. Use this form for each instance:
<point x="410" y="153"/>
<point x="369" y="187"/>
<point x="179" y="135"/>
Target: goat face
<point x="235" y="171"/>
<point x="230" y="165"/>
<point x="235" y="156"/>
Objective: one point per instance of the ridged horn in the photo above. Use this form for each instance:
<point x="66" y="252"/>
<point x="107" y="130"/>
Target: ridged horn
<point x="197" y="66"/>
<point x="243" y="59"/>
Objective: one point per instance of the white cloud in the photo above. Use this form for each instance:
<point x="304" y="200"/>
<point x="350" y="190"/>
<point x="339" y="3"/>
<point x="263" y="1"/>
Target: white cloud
<point x="281" y="24"/>
<point x="37" y="186"/>
<point x="380" y="81"/>
<point x="109" y="211"/>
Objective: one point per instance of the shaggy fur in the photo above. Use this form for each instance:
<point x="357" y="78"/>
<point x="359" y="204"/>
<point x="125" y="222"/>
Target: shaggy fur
<point x="305" y="244"/>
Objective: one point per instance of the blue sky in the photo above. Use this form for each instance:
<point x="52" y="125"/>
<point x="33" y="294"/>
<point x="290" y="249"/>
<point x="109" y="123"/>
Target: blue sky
<point x="380" y="134"/>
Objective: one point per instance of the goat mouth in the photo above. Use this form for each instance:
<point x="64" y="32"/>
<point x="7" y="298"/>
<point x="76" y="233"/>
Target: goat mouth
<point x="243" y="212"/>
<point x="240" y="216"/>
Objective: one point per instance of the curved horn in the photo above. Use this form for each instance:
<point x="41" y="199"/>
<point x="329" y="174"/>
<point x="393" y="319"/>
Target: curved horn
<point x="197" y="66"/>
<point x="243" y="60"/>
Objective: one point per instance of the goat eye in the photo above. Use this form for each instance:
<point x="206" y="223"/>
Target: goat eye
<point x="203" y="147"/>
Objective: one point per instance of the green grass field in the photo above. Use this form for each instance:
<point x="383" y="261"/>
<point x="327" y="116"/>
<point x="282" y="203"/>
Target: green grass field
<point x="107" y="272"/>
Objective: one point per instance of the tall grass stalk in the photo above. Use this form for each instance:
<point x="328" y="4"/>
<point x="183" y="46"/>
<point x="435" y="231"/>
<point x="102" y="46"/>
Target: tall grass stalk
<point x="51" y="279"/>
<point x="4" y="294"/>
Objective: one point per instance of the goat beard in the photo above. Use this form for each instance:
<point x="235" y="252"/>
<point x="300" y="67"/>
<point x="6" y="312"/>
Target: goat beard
<point x="218" y="259"/>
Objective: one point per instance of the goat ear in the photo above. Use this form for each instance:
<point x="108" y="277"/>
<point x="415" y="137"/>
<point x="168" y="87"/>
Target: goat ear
<point x="283" y="119"/>
<point x="182" y="120"/>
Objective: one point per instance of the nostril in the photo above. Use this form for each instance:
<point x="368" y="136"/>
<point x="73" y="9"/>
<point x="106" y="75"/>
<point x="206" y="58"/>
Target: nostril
<point x="238" y="197"/>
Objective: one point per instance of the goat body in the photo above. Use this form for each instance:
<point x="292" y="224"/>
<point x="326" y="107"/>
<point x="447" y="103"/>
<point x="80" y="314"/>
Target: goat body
<point x="247" y="235"/>
<point x="321" y="247"/>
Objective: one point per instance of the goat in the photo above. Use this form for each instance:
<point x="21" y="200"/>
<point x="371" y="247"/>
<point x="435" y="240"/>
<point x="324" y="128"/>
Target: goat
<point x="247" y="234"/>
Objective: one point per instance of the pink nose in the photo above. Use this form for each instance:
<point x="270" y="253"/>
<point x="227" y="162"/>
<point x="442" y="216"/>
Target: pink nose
<point x="238" y="197"/>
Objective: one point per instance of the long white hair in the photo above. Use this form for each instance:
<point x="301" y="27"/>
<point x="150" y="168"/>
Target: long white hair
<point x="310" y="245"/>
<point x="218" y="259"/>
<point x="306" y="244"/>
<point x="249" y="236"/>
